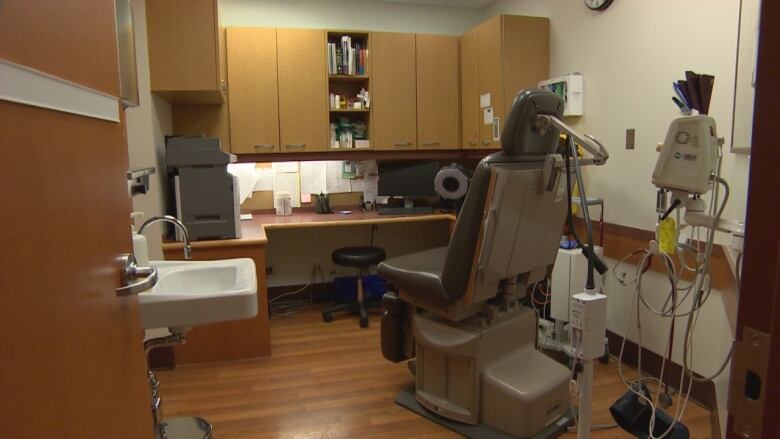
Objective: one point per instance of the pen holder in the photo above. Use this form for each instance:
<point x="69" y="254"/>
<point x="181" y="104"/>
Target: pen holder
<point x="322" y="203"/>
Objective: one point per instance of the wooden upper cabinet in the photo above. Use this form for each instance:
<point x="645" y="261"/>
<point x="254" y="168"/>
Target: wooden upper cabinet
<point x="393" y="91"/>
<point x="469" y="95"/>
<point x="438" y="102"/>
<point x="512" y="55"/>
<point x="490" y="78"/>
<point x="303" y="90"/>
<point x="185" y="64"/>
<point x="254" y="95"/>
<point x="525" y="53"/>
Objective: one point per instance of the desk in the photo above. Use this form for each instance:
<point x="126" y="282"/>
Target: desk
<point x="251" y="338"/>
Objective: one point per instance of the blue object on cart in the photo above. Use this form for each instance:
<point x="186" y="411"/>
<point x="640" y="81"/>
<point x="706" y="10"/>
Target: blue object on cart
<point x="374" y="287"/>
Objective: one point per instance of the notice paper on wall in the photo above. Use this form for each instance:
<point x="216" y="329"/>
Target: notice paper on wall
<point x="288" y="182"/>
<point x="484" y="100"/>
<point x="265" y="179"/>
<point x="284" y="166"/>
<point x="313" y="179"/>
<point x="245" y="172"/>
<point x="369" y="185"/>
<point x="334" y="181"/>
<point x="487" y="116"/>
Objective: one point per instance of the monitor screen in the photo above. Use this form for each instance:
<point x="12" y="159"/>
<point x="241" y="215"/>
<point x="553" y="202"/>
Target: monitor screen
<point x="408" y="178"/>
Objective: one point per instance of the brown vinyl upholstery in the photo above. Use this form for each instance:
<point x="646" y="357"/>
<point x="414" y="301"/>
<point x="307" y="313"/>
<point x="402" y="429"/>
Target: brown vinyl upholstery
<point x="440" y="276"/>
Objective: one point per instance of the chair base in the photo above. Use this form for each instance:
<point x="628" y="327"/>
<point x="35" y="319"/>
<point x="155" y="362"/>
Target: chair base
<point x="488" y="371"/>
<point x="360" y="308"/>
<point x="406" y="399"/>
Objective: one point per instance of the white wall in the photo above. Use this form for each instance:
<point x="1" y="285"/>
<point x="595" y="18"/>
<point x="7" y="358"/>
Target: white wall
<point x="147" y="126"/>
<point x="629" y="55"/>
<point x="348" y="14"/>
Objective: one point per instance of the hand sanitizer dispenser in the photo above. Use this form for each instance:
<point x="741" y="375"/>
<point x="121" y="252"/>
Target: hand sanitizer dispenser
<point x="140" y="247"/>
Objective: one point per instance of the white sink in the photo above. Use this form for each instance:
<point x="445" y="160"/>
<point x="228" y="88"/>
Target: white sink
<point x="193" y="293"/>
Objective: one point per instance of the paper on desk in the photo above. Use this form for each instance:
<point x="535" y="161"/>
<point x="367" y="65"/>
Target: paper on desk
<point x="333" y="181"/>
<point x="245" y="172"/>
<point x="246" y="216"/>
<point x="288" y="182"/>
<point x="284" y="167"/>
<point x="265" y="179"/>
<point x="313" y="178"/>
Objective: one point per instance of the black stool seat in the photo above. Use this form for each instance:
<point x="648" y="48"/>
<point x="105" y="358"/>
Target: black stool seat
<point x="358" y="257"/>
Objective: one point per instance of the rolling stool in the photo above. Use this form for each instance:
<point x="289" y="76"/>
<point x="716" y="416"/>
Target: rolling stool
<point x="361" y="258"/>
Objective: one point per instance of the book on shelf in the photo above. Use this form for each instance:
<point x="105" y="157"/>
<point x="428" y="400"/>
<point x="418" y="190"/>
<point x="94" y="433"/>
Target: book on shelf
<point x="346" y="58"/>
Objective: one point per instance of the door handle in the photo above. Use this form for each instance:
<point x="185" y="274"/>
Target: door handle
<point x="135" y="279"/>
<point x="265" y="146"/>
<point x="295" y="145"/>
<point x="486" y="142"/>
<point x="406" y="143"/>
<point x="433" y="143"/>
<point x="472" y="142"/>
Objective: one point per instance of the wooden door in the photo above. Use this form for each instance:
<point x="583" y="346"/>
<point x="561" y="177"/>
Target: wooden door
<point x="469" y="94"/>
<point x="72" y="358"/>
<point x="254" y="96"/>
<point x="754" y="405"/>
<point x="438" y="88"/>
<point x="490" y="79"/>
<point x="394" y="99"/>
<point x="303" y="90"/>
<point x="184" y="63"/>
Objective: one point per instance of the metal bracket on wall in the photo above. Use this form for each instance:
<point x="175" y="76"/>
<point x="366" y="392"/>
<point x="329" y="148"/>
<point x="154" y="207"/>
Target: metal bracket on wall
<point x="751" y="362"/>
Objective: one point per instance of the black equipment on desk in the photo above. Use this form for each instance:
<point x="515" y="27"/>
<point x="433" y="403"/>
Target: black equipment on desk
<point x="419" y="210"/>
<point x="410" y="179"/>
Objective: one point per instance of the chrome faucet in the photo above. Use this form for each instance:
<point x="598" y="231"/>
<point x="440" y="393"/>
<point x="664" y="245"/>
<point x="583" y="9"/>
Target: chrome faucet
<point x="175" y="221"/>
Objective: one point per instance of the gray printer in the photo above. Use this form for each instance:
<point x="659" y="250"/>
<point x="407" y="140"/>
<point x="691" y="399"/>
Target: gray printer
<point x="207" y="196"/>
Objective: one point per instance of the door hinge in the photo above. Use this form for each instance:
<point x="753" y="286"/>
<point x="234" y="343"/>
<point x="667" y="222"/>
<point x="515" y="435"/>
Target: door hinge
<point x="748" y="378"/>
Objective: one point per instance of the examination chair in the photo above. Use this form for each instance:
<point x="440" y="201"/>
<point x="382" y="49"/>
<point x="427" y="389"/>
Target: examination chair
<point x="457" y="308"/>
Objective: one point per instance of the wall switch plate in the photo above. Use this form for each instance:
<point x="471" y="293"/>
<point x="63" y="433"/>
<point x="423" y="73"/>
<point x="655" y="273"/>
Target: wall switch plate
<point x="630" y="134"/>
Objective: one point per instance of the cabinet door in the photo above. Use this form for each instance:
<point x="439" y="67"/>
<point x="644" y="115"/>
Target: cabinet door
<point x="438" y="103"/>
<point x="254" y="96"/>
<point x="303" y="90"/>
<point x="490" y="79"/>
<point x="394" y="92"/>
<point x="526" y="54"/>
<point x="470" y="111"/>
<point x="184" y="50"/>
<point x="209" y="120"/>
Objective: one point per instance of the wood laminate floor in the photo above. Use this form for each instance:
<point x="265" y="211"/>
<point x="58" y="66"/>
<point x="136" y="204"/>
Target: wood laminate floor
<point x="329" y="380"/>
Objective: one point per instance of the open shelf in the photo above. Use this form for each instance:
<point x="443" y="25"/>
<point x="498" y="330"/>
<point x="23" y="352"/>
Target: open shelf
<point x="350" y="110"/>
<point x="348" y="77"/>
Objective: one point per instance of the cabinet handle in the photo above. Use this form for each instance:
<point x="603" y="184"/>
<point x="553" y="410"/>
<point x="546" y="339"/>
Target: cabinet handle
<point x="406" y="143"/>
<point x="434" y="143"/>
<point x="264" y="145"/>
<point x="473" y="142"/>
<point x="486" y="142"/>
<point x="295" y="145"/>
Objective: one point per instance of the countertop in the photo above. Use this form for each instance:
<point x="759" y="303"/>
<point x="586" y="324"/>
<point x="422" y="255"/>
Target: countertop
<point x="253" y="232"/>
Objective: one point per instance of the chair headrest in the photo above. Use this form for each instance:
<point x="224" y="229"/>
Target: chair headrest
<point x="520" y="137"/>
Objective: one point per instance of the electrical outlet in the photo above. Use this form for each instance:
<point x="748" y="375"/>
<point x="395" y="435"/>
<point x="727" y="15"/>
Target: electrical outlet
<point x="630" y="136"/>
